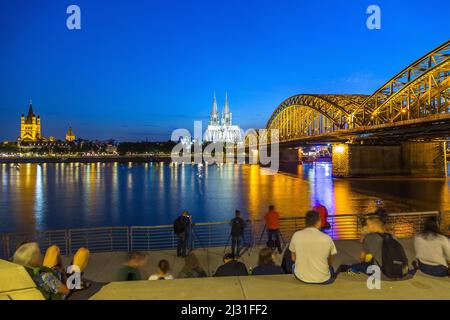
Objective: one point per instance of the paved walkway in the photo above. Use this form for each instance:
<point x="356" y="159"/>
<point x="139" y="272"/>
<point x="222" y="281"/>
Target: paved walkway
<point x="103" y="267"/>
<point x="282" y="287"/>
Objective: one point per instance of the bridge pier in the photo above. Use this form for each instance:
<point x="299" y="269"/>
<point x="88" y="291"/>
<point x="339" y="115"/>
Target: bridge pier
<point x="420" y="159"/>
<point x="292" y="155"/>
<point x="425" y="159"/>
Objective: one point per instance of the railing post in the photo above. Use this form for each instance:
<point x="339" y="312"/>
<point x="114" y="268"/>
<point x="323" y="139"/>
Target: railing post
<point x="111" y="239"/>
<point x="69" y="241"/>
<point x="130" y="242"/>
<point x="7" y="246"/>
<point x="3" y="246"/>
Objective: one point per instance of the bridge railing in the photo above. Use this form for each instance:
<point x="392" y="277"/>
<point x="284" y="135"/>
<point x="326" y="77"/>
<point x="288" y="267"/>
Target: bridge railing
<point x="210" y="234"/>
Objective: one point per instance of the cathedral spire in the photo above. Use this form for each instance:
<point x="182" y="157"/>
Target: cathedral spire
<point x="226" y="108"/>
<point x="214" y="106"/>
<point x="30" y="111"/>
<point x="214" y="119"/>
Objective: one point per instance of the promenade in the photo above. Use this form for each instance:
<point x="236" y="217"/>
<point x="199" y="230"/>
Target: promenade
<point x="103" y="267"/>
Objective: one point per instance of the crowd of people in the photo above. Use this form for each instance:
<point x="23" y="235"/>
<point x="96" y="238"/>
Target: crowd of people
<point x="308" y="255"/>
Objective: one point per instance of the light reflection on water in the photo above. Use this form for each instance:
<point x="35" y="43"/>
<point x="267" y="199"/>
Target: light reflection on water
<point x="56" y="196"/>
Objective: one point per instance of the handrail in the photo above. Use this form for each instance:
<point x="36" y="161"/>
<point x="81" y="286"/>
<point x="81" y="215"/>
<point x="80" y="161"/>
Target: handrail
<point x="205" y="234"/>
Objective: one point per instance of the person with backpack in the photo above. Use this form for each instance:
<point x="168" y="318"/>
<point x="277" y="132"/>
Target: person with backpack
<point x="237" y="234"/>
<point x="380" y="248"/>
<point x="181" y="228"/>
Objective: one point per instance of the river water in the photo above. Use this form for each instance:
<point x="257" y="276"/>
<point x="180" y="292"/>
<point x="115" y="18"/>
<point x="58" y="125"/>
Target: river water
<point x="74" y="195"/>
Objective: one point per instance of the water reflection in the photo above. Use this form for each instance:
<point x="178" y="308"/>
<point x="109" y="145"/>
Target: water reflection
<point x="54" y="196"/>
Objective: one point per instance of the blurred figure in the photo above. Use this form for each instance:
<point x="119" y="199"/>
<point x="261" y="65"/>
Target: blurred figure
<point x="191" y="268"/>
<point x="231" y="267"/>
<point x="323" y="212"/>
<point x="237" y="234"/>
<point x="163" y="272"/>
<point x="272" y="219"/>
<point x="130" y="270"/>
<point x="48" y="283"/>
<point x="181" y="228"/>
<point x="380" y="211"/>
<point x="432" y="250"/>
<point x="266" y="264"/>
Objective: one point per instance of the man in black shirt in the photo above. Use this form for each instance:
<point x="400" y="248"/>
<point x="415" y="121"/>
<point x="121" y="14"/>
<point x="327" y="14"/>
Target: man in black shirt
<point x="231" y="267"/>
<point x="181" y="228"/>
<point x="237" y="233"/>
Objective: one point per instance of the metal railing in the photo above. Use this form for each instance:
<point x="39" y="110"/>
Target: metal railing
<point x="211" y="234"/>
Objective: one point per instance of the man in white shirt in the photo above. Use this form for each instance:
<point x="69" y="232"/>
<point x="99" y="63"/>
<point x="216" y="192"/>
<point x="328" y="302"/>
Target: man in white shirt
<point x="312" y="251"/>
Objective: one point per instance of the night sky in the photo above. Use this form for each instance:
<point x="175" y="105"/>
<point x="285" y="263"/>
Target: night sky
<point x="139" y="69"/>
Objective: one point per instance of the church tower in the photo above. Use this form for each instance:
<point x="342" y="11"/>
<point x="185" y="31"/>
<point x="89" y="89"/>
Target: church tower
<point x="70" y="136"/>
<point x="226" y="114"/>
<point x="214" y="118"/>
<point x="30" y="126"/>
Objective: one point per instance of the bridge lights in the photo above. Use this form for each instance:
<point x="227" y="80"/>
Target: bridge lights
<point x="339" y="149"/>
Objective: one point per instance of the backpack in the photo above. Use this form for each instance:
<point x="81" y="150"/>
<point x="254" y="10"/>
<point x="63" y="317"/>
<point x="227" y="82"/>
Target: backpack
<point x="395" y="262"/>
<point x="179" y="225"/>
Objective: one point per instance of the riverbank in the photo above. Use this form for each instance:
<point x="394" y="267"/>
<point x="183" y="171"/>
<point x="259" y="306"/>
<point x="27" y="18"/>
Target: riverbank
<point x="91" y="159"/>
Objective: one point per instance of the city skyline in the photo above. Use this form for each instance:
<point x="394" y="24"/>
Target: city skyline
<point x="157" y="69"/>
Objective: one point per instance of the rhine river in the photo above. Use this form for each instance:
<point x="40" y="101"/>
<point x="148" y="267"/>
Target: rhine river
<point x="73" y="195"/>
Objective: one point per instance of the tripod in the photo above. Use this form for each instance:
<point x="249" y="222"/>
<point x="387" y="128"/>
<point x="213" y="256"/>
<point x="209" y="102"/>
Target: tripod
<point x="244" y="248"/>
<point x="262" y="234"/>
<point x="193" y="235"/>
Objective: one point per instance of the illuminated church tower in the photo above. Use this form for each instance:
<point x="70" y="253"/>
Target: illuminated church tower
<point x="70" y="136"/>
<point x="30" y="126"/>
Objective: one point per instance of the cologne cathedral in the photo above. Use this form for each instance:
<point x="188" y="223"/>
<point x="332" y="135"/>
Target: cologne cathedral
<point x="221" y="128"/>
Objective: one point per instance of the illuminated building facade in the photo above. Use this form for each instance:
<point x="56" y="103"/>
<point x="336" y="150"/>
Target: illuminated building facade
<point x="30" y="126"/>
<point x="70" y="136"/>
<point x="221" y="129"/>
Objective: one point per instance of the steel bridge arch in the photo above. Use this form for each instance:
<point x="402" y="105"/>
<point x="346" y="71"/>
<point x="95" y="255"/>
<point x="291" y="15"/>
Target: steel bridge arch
<point x="422" y="88"/>
<point x="308" y="114"/>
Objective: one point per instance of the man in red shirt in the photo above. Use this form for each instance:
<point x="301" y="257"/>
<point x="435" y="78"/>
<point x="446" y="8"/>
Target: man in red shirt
<point x="273" y="228"/>
<point x="323" y="212"/>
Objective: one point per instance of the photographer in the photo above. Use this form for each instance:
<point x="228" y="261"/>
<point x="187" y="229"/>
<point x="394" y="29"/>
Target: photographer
<point x="237" y="234"/>
<point x="181" y="228"/>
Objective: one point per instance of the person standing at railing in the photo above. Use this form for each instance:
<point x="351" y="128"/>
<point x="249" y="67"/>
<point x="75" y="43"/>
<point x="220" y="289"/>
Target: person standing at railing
<point x="272" y="219"/>
<point x="237" y="234"/>
<point x="380" y="211"/>
<point x="323" y="212"/>
<point x="181" y="228"/>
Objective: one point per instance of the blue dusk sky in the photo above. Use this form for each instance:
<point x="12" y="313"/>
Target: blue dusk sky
<point x="139" y="69"/>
